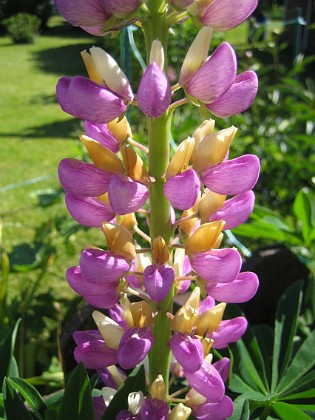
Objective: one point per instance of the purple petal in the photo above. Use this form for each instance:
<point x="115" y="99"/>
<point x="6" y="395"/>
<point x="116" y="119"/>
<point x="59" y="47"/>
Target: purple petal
<point x="107" y="378"/>
<point x="126" y="195"/>
<point x="228" y="332"/>
<point x="82" y="178"/>
<point x="236" y="210"/>
<point x="134" y="345"/>
<point x="95" y="354"/>
<point x="217" y="265"/>
<point x="188" y="351"/>
<point x="238" y="97"/>
<point x="181" y="3"/>
<point x="223" y="367"/>
<point x="154" y="92"/>
<point x="215" y="76"/>
<point x="121" y="7"/>
<point x="83" y="13"/>
<point x="222" y="17"/>
<point x="154" y="409"/>
<point x="220" y="410"/>
<point x="207" y="381"/>
<point x="81" y="337"/>
<point x="183" y="286"/>
<point x="87" y="100"/>
<point x="102" y="267"/>
<point x="158" y="281"/>
<point x="97" y="295"/>
<point x="182" y="190"/>
<point x="206" y="304"/>
<point x="239" y="290"/>
<point x="99" y="407"/>
<point x="117" y="315"/>
<point x="102" y="134"/>
<point x="234" y="176"/>
<point x="88" y="211"/>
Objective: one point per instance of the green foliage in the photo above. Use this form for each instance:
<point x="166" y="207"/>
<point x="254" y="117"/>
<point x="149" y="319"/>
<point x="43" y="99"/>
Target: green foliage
<point x="274" y="371"/>
<point x="23" y="28"/>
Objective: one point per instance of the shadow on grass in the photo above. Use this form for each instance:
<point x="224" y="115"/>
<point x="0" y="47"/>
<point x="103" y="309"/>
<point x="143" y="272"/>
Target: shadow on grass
<point x="55" y="130"/>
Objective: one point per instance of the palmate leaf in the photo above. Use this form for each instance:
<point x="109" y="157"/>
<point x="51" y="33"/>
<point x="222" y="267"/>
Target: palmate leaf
<point x="289" y="412"/>
<point x="135" y="382"/>
<point x="287" y="313"/>
<point x="307" y="382"/>
<point x="303" y="361"/>
<point x="77" y="402"/>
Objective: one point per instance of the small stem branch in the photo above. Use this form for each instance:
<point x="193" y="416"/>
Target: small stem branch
<point x="142" y="234"/>
<point x="143" y="250"/>
<point x="183" y="219"/>
<point x="138" y="293"/>
<point x="175" y="87"/>
<point x="175" y="17"/>
<point x="177" y="400"/>
<point x="138" y="145"/>
<point x="178" y="103"/>
<point x="180" y="246"/>
<point x="180" y="391"/>
<point x="184" y="278"/>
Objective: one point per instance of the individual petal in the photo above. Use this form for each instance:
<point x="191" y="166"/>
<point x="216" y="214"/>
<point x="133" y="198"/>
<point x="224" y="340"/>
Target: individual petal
<point x="239" y="290"/>
<point x="134" y="346"/>
<point x="126" y="195"/>
<point x="97" y="295"/>
<point x="99" y="407"/>
<point x="182" y="190"/>
<point x="95" y="354"/>
<point x="206" y="304"/>
<point x="102" y="134"/>
<point x="82" y="179"/>
<point x="154" y="409"/>
<point x="83" y="13"/>
<point x="215" y="76"/>
<point x="87" y="335"/>
<point x="154" y="92"/>
<point x="88" y="211"/>
<point x="116" y="313"/>
<point x="87" y="100"/>
<point x="181" y="3"/>
<point x="236" y="210"/>
<point x="121" y="8"/>
<point x="223" y="367"/>
<point x="183" y="286"/>
<point x="232" y="177"/>
<point x="238" y="97"/>
<point x="109" y="379"/>
<point x="207" y="381"/>
<point x="158" y="281"/>
<point x="217" y="265"/>
<point x="220" y="410"/>
<point x="102" y="267"/>
<point x="222" y="17"/>
<point x="229" y="331"/>
<point x="188" y="351"/>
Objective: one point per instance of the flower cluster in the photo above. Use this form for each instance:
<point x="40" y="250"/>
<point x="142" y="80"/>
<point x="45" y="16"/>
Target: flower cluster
<point x="205" y="193"/>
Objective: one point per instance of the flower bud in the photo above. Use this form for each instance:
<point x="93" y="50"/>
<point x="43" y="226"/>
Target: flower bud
<point x="91" y="67"/>
<point x="157" y="53"/>
<point x="119" y="240"/>
<point x="141" y="314"/>
<point x="204" y="237"/>
<point x="179" y="412"/>
<point x="110" y="331"/>
<point x="160" y="252"/>
<point x="134" y="165"/>
<point x="157" y="388"/>
<point x="206" y="128"/>
<point x="180" y="161"/>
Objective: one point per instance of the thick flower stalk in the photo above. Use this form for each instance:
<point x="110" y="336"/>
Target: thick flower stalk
<point x="188" y="200"/>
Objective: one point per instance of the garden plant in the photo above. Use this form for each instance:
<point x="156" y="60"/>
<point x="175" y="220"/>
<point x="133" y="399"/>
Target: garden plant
<point x="162" y="281"/>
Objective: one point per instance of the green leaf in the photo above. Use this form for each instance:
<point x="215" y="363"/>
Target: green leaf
<point x="30" y="394"/>
<point x="310" y="393"/>
<point x="238" y="407"/>
<point x="245" y="411"/>
<point x="77" y="402"/>
<point x="264" y="335"/>
<point x="135" y="382"/>
<point x="304" y="209"/>
<point x="303" y="361"/>
<point x="15" y="408"/>
<point x="238" y="386"/>
<point x="289" y="412"/>
<point x="6" y="352"/>
<point x="303" y="384"/>
<point x="287" y="313"/>
<point x="305" y="407"/>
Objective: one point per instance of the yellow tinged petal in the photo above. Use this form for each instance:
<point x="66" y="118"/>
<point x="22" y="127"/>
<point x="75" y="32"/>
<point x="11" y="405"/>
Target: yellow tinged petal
<point x="160" y="252"/>
<point x="104" y="198"/>
<point x="207" y="344"/>
<point x="119" y="240"/>
<point x="134" y="164"/>
<point x="102" y="157"/>
<point x="179" y="412"/>
<point x="141" y="314"/>
<point x="110" y="331"/>
<point x="185" y="319"/>
<point x="210" y="203"/>
<point x="180" y="161"/>
<point x="187" y="227"/>
<point x="209" y="321"/>
<point x="129" y="221"/>
<point x="206" y="128"/>
<point x="157" y="54"/>
<point x="204" y="237"/>
<point x="194" y="398"/>
<point x="120" y="129"/>
<point x="213" y="148"/>
<point x="125" y="305"/>
<point x="91" y="67"/>
<point x="157" y="388"/>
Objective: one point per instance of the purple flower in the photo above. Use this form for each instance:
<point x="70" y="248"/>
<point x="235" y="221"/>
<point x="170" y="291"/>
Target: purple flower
<point x="222" y="17"/>
<point x="217" y="265"/>
<point x="102" y="134"/>
<point x="87" y="100"/>
<point x="220" y="410"/>
<point x="158" y="280"/>
<point x="207" y="381"/>
<point x="88" y="211"/>
<point x="134" y="346"/>
<point x="154" y="92"/>
<point x="95" y="354"/>
<point x="121" y="8"/>
<point x="223" y="367"/>
<point x="229" y="331"/>
<point x="235" y="176"/>
<point x="187" y="350"/>
<point x="83" y="179"/>
<point x="182" y="190"/>
<point x="126" y="195"/>
<point x="239" y="290"/>
<point x="154" y="409"/>
<point x="182" y="4"/>
<point x="99" y="407"/>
